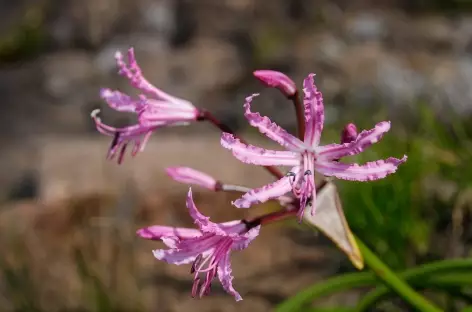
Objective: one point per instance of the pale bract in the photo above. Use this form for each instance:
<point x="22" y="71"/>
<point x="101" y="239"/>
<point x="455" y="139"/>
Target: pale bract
<point x="307" y="156"/>
<point x="153" y="107"/>
<point x="208" y="248"/>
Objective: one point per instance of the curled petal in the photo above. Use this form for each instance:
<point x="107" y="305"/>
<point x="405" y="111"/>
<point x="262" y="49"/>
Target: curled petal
<point x="133" y="72"/>
<point x="138" y="134"/>
<point x="225" y="277"/>
<point x="314" y="111"/>
<point x="258" y="156"/>
<point x="271" y="129"/>
<point x="370" y="171"/>
<point x="275" y="79"/>
<point x="263" y="194"/>
<point x="157" y="232"/>
<point x="200" y="220"/>
<point x="363" y="140"/>
<point x="308" y="186"/>
<point x="192" y="176"/>
<point x="349" y="133"/>
<point x="120" y="101"/>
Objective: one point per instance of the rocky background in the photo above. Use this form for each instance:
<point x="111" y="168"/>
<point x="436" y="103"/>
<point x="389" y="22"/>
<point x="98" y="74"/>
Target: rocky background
<point x="55" y="55"/>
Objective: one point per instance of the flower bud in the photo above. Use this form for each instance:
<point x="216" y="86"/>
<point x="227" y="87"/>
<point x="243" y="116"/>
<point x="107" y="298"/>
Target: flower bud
<point x="275" y="79"/>
<point x="349" y="133"/>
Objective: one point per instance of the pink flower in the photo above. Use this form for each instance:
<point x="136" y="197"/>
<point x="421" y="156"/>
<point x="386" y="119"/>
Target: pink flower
<point x="207" y="248"/>
<point x="192" y="176"/>
<point x="275" y="79"/>
<point x="154" y="109"/>
<point x="308" y="155"/>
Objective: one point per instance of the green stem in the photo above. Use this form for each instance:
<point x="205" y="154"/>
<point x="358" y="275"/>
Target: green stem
<point x="437" y="282"/>
<point x="393" y="281"/>
<point x="332" y="285"/>
<point x="362" y="279"/>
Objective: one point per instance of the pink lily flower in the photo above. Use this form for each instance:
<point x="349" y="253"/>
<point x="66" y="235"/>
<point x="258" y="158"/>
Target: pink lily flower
<point x="275" y="79"/>
<point x="154" y="109"/>
<point x="208" y="248"/>
<point x="308" y="155"/>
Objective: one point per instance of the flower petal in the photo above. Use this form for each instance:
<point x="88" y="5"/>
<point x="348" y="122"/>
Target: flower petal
<point x="258" y="156"/>
<point x="186" y="251"/>
<point x="244" y="240"/>
<point x="314" y="111"/>
<point x="275" y="79"/>
<point x="200" y="220"/>
<point x="271" y="129"/>
<point x="120" y="101"/>
<point x="162" y="111"/>
<point x="191" y="176"/>
<point x="263" y="194"/>
<point x="156" y="232"/>
<point x="363" y="140"/>
<point x="370" y="171"/>
<point x="225" y="277"/>
<point x="133" y="72"/>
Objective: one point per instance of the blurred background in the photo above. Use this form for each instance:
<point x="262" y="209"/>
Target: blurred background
<point x="68" y="217"/>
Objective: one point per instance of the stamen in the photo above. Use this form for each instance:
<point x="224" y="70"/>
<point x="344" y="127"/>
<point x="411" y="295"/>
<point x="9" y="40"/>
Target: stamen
<point x="308" y="172"/>
<point x="115" y="139"/>
<point x="196" y="263"/>
<point x="195" y="287"/>
<point x="291" y="174"/>
<point x="122" y="153"/>
<point x="205" y="289"/>
<point x="300" y="215"/>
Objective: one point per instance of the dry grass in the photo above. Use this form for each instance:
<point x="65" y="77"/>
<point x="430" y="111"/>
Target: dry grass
<point x="82" y="254"/>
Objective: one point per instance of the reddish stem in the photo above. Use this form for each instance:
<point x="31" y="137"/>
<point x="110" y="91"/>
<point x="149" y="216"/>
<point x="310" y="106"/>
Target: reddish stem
<point x="206" y="115"/>
<point x="300" y="111"/>
<point x="270" y="217"/>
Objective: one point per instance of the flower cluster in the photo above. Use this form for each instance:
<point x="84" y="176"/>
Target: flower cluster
<point x="208" y="247"/>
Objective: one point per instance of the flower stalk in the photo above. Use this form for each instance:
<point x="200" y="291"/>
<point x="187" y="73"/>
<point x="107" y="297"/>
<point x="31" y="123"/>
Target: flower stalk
<point x="299" y="111"/>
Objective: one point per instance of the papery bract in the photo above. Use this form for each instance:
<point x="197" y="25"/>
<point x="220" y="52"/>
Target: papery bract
<point x="275" y="79"/>
<point x="153" y="107"/>
<point x="207" y="247"/>
<point x="308" y="155"/>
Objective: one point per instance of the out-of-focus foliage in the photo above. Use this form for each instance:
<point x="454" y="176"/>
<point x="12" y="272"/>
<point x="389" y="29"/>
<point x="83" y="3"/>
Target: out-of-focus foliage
<point x="407" y="215"/>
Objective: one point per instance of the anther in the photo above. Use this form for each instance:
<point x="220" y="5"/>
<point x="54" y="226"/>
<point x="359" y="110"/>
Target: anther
<point x="195" y="287"/>
<point x="196" y="263"/>
<point x="115" y="139"/>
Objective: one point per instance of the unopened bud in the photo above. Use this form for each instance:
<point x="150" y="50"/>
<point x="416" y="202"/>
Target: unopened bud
<point x="275" y="79"/>
<point x="349" y="133"/>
